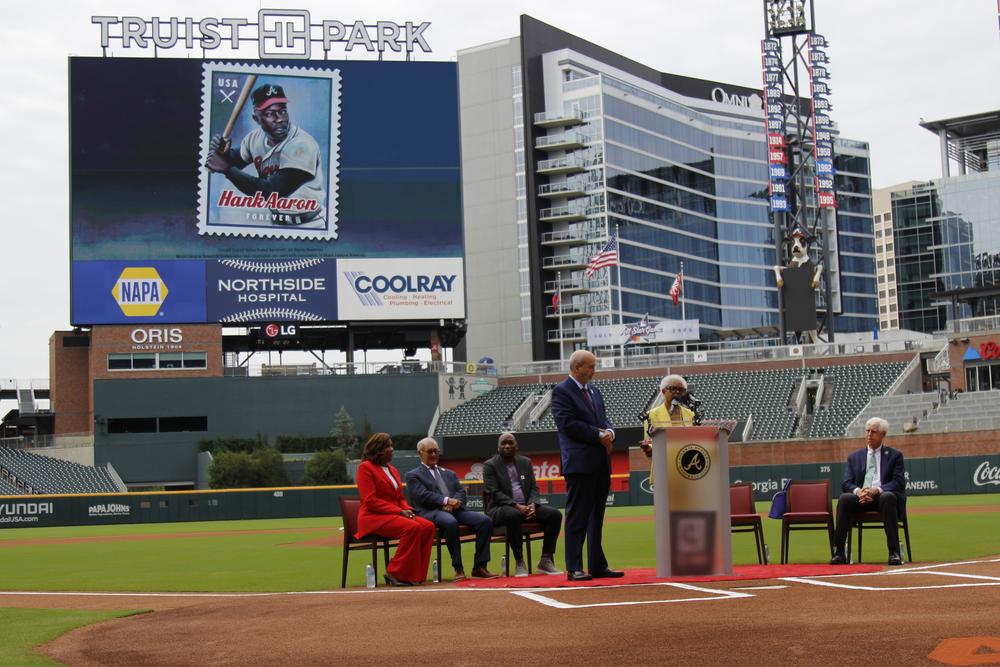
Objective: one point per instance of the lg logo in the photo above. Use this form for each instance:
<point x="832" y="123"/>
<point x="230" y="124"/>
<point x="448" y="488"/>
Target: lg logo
<point x="275" y="330"/>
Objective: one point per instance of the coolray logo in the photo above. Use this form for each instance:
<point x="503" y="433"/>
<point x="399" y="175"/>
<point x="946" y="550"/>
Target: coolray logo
<point x="139" y="291"/>
<point x="986" y="474"/>
<point x="109" y="509"/>
<point x="368" y="288"/>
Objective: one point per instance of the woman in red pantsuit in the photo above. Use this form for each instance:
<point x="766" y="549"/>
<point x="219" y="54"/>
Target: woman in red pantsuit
<point x="385" y="511"/>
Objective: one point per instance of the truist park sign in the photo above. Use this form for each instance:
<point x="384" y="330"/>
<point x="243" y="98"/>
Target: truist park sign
<point x="277" y="33"/>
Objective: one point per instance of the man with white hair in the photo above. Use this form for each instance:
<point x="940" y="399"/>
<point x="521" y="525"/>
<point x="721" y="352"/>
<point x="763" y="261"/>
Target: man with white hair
<point x="874" y="480"/>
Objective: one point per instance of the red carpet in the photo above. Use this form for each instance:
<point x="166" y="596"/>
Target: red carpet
<point x="648" y="576"/>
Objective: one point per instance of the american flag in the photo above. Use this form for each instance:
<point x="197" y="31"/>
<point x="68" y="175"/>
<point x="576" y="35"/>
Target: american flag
<point x="607" y="257"/>
<point x="677" y="288"/>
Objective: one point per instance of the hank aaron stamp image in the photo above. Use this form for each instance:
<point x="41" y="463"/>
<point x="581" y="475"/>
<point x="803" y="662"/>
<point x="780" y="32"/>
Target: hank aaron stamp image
<point x="269" y="152"/>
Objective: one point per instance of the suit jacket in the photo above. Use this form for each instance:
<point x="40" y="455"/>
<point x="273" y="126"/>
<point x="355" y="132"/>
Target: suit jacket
<point x="892" y="471"/>
<point x="424" y="492"/>
<point x="496" y="482"/>
<point x="579" y="426"/>
<point x="380" y="501"/>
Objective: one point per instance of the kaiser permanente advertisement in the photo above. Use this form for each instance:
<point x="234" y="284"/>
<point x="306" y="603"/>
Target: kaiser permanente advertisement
<point x="243" y="192"/>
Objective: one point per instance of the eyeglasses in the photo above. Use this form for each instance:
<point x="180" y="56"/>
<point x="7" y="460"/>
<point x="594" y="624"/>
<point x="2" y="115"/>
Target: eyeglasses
<point x="432" y="451"/>
<point x="674" y="388"/>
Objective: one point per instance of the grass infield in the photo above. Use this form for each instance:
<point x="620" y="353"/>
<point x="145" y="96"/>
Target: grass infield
<point x="24" y="629"/>
<point x="305" y="554"/>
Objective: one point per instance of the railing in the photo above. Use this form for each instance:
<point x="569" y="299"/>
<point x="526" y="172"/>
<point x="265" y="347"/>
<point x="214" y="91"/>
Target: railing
<point x="563" y="138"/>
<point x="576" y="284"/>
<point x="562" y="212"/>
<point x="941" y="363"/>
<point x="560" y="116"/>
<point x="720" y="356"/>
<point x="973" y="324"/>
<point x="585" y="236"/>
<point x="562" y="162"/>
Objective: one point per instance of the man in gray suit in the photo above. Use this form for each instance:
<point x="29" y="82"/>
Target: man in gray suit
<point x="514" y="499"/>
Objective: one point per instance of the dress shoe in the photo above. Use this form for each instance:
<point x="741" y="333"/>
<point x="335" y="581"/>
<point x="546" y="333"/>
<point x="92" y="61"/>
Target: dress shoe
<point x="838" y="558"/>
<point x="460" y="575"/>
<point x="577" y="575"/>
<point x="393" y="581"/>
<point x="480" y="572"/>
<point x="607" y="573"/>
<point x="894" y="559"/>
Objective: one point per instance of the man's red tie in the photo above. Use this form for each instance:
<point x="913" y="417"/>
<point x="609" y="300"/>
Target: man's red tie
<point x="590" y="399"/>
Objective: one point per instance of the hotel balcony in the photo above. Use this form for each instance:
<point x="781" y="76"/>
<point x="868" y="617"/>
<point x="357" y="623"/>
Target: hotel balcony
<point x="576" y="310"/>
<point x="577" y="285"/>
<point x="559" y="118"/>
<point x="569" y="164"/>
<point x="571" y="188"/>
<point x="557" y="335"/>
<point x="565" y="141"/>
<point x="560" y="262"/>
<point x="562" y="214"/>
<point x="574" y="237"/>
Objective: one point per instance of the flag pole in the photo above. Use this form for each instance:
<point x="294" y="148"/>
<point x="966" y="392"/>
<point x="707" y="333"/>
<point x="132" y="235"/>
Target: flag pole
<point x="559" y="313"/>
<point x="618" y="268"/>
<point x="683" y="311"/>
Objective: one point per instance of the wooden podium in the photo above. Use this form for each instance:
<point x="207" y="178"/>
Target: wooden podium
<point x="691" y="500"/>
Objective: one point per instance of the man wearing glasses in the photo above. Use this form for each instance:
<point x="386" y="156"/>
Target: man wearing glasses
<point x="438" y="496"/>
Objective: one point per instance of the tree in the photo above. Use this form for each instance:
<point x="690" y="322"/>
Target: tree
<point x="263" y="467"/>
<point x="326" y="468"/>
<point x="343" y="434"/>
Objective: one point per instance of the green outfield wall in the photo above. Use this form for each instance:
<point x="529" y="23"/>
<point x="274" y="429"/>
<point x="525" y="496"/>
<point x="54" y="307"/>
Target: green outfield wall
<point x="937" y="476"/>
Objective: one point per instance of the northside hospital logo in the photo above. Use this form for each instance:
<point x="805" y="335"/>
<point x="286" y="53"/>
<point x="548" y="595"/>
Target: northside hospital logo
<point x="139" y="291"/>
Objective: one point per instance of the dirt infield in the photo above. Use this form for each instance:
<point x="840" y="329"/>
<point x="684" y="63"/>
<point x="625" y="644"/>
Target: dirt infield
<point x="925" y="614"/>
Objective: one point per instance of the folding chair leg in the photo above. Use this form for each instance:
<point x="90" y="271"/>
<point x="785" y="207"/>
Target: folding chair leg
<point x="758" y="538"/>
<point x="861" y="536"/>
<point x="375" y="559"/>
<point x="526" y="543"/>
<point x="784" y="544"/>
<point x="829" y="536"/>
<point x="506" y="557"/>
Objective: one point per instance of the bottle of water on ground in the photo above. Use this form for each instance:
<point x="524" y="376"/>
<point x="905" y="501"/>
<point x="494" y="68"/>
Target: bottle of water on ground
<point x="503" y="566"/>
<point x="435" y="572"/>
<point x="369" y="576"/>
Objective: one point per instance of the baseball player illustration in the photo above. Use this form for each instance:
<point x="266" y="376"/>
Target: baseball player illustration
<point x="289" y="188"/>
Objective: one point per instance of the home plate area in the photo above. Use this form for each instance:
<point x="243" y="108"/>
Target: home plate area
<point x="642" y="587"/>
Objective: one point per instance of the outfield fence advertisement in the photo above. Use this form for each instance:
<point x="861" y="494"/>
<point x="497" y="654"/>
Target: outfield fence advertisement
<point x="247" y="192"/>
<point x="936" y="476"/>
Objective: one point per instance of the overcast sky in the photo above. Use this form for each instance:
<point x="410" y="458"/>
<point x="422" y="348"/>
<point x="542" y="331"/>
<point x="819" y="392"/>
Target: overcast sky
<point x="892" y="62"/>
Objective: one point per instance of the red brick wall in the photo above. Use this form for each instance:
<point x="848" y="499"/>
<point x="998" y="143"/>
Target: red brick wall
<point x="119" y="339"/>
<point x="69" y="386"/>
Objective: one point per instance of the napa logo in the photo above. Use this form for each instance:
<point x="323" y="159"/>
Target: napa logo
<point x="139" y="291"/>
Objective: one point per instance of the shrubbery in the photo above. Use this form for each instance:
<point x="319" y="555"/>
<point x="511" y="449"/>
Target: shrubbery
<point x="260" y="468"/>
<point x="326" y="468"/>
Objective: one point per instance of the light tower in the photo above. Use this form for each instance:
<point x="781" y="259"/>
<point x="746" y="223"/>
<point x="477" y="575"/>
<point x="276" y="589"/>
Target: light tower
<point x="800" y="158"/>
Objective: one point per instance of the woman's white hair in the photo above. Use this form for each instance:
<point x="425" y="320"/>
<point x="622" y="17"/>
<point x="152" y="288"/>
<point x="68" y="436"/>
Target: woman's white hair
<point x="676" y="378"/>
<point x="882" y="424"/>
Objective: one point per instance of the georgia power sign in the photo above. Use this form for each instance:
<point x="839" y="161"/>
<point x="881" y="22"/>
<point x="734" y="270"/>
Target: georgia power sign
<point x="391" y="289"/>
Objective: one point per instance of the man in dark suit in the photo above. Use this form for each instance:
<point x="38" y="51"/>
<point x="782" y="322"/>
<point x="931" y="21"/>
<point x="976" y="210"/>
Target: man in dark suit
<point x="514" y="499"/>
<point x="585" y="439"/>
<point x="874" y="480"/>
<point x="436" y="494"/>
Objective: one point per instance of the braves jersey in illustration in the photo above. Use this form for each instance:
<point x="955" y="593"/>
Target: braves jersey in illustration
<point x="304" y="206"/>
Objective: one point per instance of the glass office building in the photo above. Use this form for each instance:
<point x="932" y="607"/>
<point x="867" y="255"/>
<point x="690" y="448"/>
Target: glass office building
<point x="675" y="167"/>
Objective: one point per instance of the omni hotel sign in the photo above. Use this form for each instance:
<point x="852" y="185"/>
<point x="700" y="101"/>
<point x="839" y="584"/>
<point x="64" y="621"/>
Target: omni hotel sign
<point x="277" y="33"/>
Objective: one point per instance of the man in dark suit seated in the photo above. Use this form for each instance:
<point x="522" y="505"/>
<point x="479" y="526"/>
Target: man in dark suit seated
<point x="514" y="499"/>
<point x="585" y="440"/>
<point x="874" y="480"/>
<point x="436" y="494"/>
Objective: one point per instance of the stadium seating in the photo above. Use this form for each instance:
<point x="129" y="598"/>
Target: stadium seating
<point x="488" y="413"/>
<point x="969" y="411"/>
<point x="47" y="475"/>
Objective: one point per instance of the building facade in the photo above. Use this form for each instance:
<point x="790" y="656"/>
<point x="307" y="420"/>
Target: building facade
<point x="585" y="145"/>
<point x="947" y="231"/>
